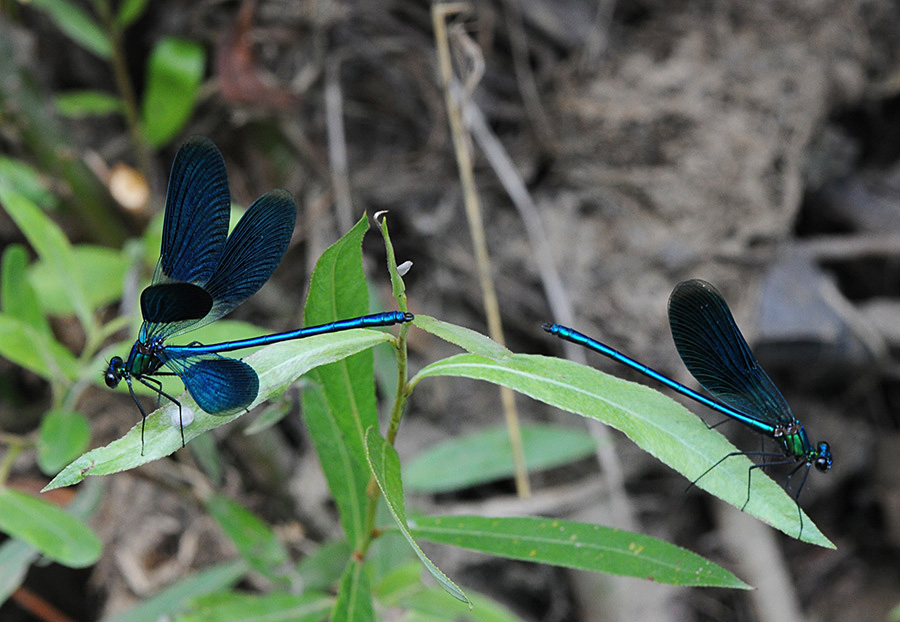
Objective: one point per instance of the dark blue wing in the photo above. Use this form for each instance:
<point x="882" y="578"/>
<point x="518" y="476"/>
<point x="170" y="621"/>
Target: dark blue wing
<point x="169" y="308"/>
<point x="717" y="355"/>
<point x="218" y="384"/>
<point x="253" y="251"/>
<point x="198" y="206"/>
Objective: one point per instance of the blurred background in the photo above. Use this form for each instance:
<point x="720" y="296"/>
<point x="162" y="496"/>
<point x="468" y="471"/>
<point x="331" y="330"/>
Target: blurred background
<point x="625" y="146"/>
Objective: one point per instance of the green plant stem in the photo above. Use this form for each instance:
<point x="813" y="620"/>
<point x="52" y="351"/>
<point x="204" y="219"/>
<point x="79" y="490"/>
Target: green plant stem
<point x="373" y="493"/>
<point x="16" y="445"/>
<point x="125" y="87"/>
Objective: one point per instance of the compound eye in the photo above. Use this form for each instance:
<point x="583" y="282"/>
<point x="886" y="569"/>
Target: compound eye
<point x="823" y="462"/>
<point x="113" y="373"/>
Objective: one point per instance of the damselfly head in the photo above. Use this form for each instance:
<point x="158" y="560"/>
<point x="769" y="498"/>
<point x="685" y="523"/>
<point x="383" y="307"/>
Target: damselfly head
<point x="823" y="457"/>
<point x="115" y="371"/>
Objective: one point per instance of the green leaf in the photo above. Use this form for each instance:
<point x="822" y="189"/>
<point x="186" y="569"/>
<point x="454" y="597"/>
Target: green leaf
<point x="271" y="415"/>
<point x="174" y="74"/>
<point x="385" y="465"/>
<point x="274" y="607"/>
<point x="16" y="558"/>
<point x="36" y="351"/>
<point x="18" y="297"/>
<point x="51" y="245"/>
<point x="206" y="453"/>
<point x="465" y="338"/>
<point x="27" y="181"/>
<point x="175" y="598"/>
<point x="130" y="11"/>
<point x="398" y="287"/>
<point x="338" y="415"/>
<point x="77" y="25"/>
<point x="403" y="588"/>
<point x="64" y="436"/>
<point x="576" y="545"/>
<point x="487" y="456"/>
<point x="354" y="599"/>
<point x="254" y="540"/>
<point x="55" y="533"/>
<point x="83" y="104"/>
<point x="322" y="569"/>
<point x="277" y="366"/>
<point x="658" y="424"/>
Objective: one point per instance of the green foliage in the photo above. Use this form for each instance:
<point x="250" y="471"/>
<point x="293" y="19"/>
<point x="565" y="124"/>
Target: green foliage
<point x="64" y="435"/>
<point x="52" y="531"/>
<point x="486" y="456"/>
<point x="378" y="563"/>
<point x="78" y="25"/>
<point x="175" y="71"/>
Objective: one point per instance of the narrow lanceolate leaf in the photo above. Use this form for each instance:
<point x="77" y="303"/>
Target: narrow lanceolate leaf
<point x="385" y="466"/>
<point x="354" y="598"/>
<point x="55" y="533"/>
<point x="486" y="456"/>
<point x="277" y="366"/>
<point x="655" y="422"/>
<point x="466" y="338"/>
<point x="346" y="405"/>
<point x="576" y="545"/>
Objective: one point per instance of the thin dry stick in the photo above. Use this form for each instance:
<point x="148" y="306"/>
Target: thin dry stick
<point x="557" y="296"/>
<point x="476" y="228"/>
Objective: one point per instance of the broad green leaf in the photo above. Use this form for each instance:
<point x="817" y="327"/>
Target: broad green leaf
<point x="354" y="598"/>
<point x="18" y="297"/>
<point x="51" y="245"/>
<point x="71" y="19"/>
<point x="17" y="556"/>
<point x="55" y="533"/>
<point x="385" y="465"/>
<point x="465" y="338"/>
<point x="174" y="74"/>
<point x="130" y="11"/>
<point x="277" y="366"/>
<point x="64" y="436"/>
<point x="83" y="104"/>
<point x="27" y="181"/>
<point x="274" y="607"/>
<point x="36" y="351"/>
<point x="658" y="424"/>
<point x="176" y="598"/>
<point x="338" y="416"/>
<point x="487" y="456"/>
<point x="576" y="545"/>
<point x="100" y="272"/>
<point x="322" y="569"/>
<point x="254" y="540"/>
